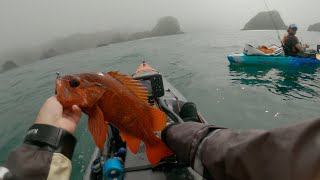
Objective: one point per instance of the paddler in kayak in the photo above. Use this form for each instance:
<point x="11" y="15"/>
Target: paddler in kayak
<point x="214" y="152"/>
<point x="292" y="43"/>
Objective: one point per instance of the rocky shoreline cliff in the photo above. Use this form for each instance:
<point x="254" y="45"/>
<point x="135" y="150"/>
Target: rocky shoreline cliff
<point x="165" y="26"/>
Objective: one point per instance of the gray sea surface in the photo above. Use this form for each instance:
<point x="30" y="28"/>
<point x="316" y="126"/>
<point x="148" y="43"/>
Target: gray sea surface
<point x="195" y="63"/>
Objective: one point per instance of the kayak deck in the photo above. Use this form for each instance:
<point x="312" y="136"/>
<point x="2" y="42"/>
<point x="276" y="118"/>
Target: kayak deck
<point x="137" y="165"/>
<point x="272" y="60"/>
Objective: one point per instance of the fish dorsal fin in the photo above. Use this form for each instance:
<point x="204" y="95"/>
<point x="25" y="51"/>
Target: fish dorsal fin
<point x="132" y="142"/>
<point x="133" y="85"/>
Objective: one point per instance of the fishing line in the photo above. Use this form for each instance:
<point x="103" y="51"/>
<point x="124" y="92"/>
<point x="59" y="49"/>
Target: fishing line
<point x="273" y="22"/>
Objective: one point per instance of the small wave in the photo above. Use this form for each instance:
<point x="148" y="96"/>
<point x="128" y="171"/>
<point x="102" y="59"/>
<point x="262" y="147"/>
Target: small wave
<point x="300" y="83"/>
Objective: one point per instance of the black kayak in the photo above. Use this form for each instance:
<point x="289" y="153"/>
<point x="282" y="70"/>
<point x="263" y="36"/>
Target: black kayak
<point x="136" y="166"/>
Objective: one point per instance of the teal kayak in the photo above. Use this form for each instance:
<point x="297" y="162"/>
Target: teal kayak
<point x="272" y="60"/>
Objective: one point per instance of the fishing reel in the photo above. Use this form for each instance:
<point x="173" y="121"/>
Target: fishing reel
<point x="113" y="168"/>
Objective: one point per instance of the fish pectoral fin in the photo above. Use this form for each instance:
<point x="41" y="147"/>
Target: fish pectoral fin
<point x="159" y="119"/>
<point x="132" y="142"/>
<point x="133" y="85"/>
<point x="97" y="126"/>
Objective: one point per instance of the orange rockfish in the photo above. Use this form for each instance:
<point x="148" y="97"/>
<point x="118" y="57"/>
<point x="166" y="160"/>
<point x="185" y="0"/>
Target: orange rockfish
<point x="121" y="101"/>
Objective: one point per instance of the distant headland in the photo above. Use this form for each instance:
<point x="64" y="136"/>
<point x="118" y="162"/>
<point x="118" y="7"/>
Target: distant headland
<point x="165" y="26"/>
<point x="314" y="27"/>
<point x="8" y="65"/>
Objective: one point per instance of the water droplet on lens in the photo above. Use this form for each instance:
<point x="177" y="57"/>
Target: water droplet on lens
<point x="80" y="157"/>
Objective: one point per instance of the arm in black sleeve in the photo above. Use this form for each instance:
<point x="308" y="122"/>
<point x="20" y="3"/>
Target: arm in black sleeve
<point x="45" y="154"/>
<point x="284" y="153"/>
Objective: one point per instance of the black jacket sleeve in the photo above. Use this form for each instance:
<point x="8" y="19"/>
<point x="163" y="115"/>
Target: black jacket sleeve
<point x="290" y="153"/>
<point x="45" y="154"/>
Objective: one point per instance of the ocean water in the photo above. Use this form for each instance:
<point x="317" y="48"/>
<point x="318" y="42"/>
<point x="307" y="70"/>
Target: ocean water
<point x="242" y="97"/>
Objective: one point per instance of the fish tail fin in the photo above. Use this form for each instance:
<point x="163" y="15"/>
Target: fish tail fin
<point x="157" y="151"/>
<point x="159" y="119"/>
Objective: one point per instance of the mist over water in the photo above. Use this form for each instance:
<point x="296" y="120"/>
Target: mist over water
<point x="34" y="22"/>
<point x="195" y="63"/>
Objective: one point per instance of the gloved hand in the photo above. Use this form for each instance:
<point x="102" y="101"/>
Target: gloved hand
<point x="165" y="132"/>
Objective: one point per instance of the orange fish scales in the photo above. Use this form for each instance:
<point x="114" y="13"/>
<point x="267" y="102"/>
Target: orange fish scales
<point x="121" y="101"/>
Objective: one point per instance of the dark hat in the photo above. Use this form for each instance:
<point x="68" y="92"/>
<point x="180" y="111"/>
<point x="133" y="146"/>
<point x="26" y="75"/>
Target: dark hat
<point x="293" y="27"/>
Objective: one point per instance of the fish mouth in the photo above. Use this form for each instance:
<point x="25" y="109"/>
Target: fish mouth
<point x="59" y="89"/>
<point x="62" y="93"/>
<point x="57" y="85"/>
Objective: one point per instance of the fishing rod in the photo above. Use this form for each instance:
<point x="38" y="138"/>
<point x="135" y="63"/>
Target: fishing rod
<point x="273" y="22"/>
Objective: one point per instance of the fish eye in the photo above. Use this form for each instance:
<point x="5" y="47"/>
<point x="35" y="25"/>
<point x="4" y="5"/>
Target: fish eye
<point x="74" y="83"/>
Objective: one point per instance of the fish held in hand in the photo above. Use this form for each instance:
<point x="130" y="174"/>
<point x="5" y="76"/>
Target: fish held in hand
<point x="120" y="100"/>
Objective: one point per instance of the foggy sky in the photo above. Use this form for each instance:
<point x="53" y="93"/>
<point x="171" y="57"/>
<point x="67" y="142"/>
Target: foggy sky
<point x="31" y="22"/>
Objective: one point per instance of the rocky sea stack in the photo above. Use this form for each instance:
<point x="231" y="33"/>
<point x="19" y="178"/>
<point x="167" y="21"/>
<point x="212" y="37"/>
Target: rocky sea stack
<point x="263" y="21"/>
<point x="166" y="26"/>
<point x="314" y="27"/>
<point x="8" y="65"/>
